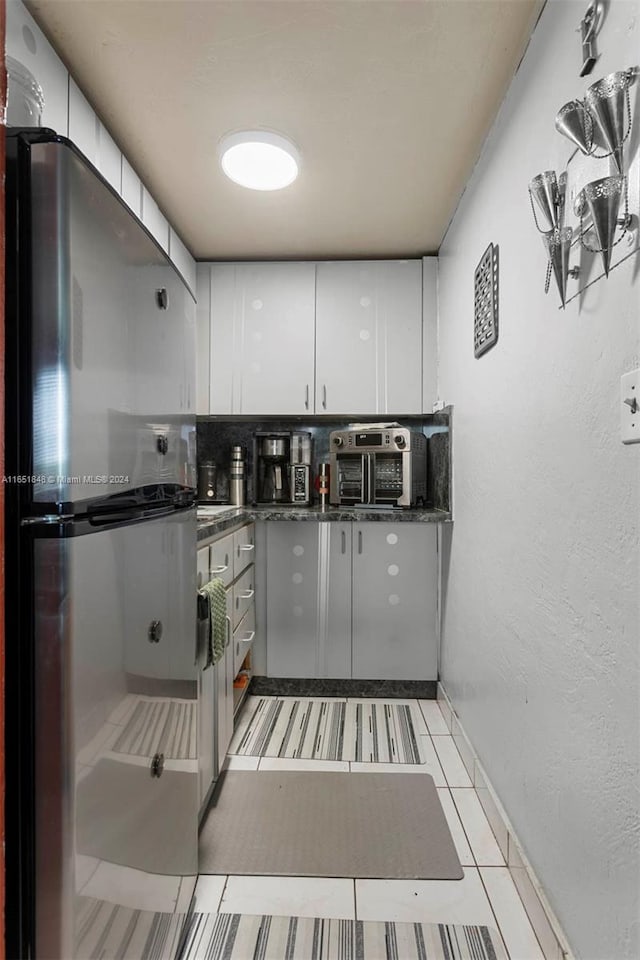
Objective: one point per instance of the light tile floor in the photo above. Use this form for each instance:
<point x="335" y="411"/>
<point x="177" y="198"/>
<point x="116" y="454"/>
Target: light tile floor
<point x="486" y="895"/>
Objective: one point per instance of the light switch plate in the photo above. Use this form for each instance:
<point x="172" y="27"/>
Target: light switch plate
<point x="630" y="407"/>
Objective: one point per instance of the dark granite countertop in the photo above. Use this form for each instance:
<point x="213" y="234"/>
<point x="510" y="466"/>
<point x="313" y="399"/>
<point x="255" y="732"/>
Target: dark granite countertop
<point x="231" y="517"/>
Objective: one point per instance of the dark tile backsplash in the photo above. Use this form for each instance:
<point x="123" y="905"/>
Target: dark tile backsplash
<point x="217" y="435"/>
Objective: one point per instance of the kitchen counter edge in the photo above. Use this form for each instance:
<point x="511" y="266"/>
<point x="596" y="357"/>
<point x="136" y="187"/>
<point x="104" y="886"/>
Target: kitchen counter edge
<point x="210" y="526"/>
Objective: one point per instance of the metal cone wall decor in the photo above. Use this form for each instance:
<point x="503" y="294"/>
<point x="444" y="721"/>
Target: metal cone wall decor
<point x="602" y="198"/>
<point x="608" y="103"/>
<point x="558" y="245"/>
<point x="573" y="121"/>
<point x="548" y="198"/>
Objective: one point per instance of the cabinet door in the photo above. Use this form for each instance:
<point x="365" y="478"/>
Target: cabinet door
<point x="222" y="559"/>
<point x="369" y="337"/>
<point x="206" y="695"/>
<point x="243" y="593"/>
<point x="243" y="548"/>
<point x="335" y="617"/>
<point x="394" y="601"/>
<point x="262" y="338"/>
<point x="243" y="637"/>
<point x="224" y="693"/>
<point x="292" y="599"/>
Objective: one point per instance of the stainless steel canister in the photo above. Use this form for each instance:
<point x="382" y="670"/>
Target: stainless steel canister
<point x="237" y="486"/>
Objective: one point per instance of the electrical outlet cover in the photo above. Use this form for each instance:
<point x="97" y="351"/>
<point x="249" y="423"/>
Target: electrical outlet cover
<point x="630" y="407"/>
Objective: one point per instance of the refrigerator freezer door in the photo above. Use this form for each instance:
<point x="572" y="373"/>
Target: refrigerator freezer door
<point x="112" y="341"/>
<point x="116" y="768"/>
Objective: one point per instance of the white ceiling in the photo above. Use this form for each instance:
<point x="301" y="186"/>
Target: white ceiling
<point x="388" y="101"/>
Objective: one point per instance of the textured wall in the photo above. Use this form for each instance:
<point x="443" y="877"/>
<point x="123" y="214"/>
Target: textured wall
<point x="541" y="611"/>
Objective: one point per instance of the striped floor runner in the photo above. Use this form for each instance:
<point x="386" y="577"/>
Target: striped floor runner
<point x="160" y="726"/>
<point x="109" y="932"/>
<point x="235" y="937"/>
<point x="331" y="730"/>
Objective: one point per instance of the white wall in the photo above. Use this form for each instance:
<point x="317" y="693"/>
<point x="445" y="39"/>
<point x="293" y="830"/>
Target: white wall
<point x="541" y="610"/>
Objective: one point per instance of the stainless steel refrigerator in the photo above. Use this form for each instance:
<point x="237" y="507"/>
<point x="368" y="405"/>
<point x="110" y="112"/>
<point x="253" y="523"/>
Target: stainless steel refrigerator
<point x="100" y="474"/>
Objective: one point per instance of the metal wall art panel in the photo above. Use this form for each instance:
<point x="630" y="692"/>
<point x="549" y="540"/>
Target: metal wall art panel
<point x="485" y="301"/>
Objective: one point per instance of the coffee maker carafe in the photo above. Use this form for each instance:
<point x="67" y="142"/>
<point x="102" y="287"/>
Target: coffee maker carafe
<point x="272" y="468"/>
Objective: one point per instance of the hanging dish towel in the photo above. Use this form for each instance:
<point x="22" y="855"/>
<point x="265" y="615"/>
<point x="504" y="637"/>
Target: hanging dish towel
<point x="216" y="596"/>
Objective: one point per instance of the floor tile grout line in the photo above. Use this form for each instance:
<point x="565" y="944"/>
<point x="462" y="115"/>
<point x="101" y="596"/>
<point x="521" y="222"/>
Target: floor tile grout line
<point x="495" y="914"/>
<point x="464" y="829"/>
<point x="493" y="833"/>
<point x="459" y="812"/>
<point x="527" y="920"/>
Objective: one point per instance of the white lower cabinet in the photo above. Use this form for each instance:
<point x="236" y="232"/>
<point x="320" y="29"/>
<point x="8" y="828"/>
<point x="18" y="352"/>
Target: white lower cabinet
<point x="352" y="600"/>
<point x="394" y="601"/>
<point x="217" y="698"/>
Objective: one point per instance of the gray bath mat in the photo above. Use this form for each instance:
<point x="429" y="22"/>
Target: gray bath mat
<point x="115" y="798"/>
<point x="306" y="824"/>
<point x="331" y="730"/>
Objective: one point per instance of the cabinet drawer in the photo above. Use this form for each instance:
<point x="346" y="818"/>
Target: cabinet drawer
<point x="243" y="636"/>
<point x="243" y="548"/>
<point x="222" y="559"/>
<point x="243" y="594"/>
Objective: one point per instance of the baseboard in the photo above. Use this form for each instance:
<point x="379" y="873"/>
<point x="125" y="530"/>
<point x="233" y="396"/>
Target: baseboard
<point x="545" y="924"/>
<point x="323" y="687"/>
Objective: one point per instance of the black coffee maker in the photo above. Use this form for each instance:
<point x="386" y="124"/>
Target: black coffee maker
<point x="272" y="451"/>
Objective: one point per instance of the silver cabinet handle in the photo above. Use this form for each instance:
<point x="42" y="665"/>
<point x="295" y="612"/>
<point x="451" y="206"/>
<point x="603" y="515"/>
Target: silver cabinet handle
<point x="306" y="397"/>
<point x="324" y="396"/>
<point x="246" y="595"/>
<point x="343" y="538"/>
<point x="246" y="546"/>
<point x="359" y="541"/>
<point x="250" y="636"/>
<point x="228" y="619"/>
<point x="220" y="569"/>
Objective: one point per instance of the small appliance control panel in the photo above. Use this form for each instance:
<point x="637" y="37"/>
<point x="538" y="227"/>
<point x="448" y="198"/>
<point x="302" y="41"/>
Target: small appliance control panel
<point x="392" y="440"/>
<point x="300" y="483"/>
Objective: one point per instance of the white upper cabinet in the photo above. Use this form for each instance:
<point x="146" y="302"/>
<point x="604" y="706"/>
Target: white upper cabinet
<point x="369" y="337"/>
<point x="83" y="123"/>
<point x="262" y="338"/>
<point x="429" y="333"/>
<point x="109" y="158"/>
<point x="155" y="222"/>
<point x="26" y="43"/>
<point x="182" y="259"/>
<point x="341" y="337"/>
<point x="131" y="188"/>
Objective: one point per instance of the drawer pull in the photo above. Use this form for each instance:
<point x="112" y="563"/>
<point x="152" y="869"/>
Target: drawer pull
<point x="249" y="636"/>
<point x="220" y="569"/>
<point x="247" y="546"/>
<point x="228" y="619"/>
<point x="246" y="595"/>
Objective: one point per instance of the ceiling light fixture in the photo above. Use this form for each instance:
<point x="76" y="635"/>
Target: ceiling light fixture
<point x="259" y="159"/>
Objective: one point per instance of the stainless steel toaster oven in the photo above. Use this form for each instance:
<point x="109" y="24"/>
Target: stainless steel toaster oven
<point x="381" y="465"/>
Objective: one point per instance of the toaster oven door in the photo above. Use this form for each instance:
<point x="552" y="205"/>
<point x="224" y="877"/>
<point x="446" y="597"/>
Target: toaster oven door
<point x="352" y="477"/>
<point x="386" y="478"/>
